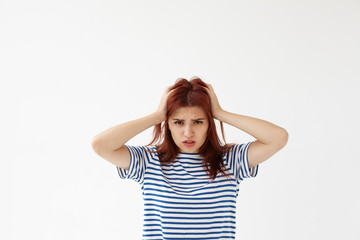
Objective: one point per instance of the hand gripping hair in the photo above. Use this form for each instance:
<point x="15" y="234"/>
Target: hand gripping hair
<point x="186" y="93"/>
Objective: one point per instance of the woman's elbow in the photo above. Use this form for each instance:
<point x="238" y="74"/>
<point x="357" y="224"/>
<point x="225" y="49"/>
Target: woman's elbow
<point x="283" y="137"/>
<point x="96" y="145"/>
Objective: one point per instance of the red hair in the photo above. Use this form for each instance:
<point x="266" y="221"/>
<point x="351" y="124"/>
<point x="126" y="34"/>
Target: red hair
<point x="191" y="93"/>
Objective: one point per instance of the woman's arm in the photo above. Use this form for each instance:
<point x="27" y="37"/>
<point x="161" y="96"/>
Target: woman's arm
<point x="270" y="138"/>
<point x="109" y="144"/>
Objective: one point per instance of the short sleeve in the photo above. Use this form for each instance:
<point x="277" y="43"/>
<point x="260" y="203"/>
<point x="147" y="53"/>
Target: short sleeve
<point x="238" y="157"/>
<point x="139" y="159"/>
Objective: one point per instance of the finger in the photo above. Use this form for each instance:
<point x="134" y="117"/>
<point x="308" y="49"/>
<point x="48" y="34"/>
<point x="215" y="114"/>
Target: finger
<point x="207" y="86"/>
<point x="167" y="89"/>
<point x="170" y="91"/>
<point x="210" y="88"/>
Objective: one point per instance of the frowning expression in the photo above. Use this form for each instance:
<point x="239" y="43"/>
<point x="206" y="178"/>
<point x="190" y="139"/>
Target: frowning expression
<point x="188" y="127"/>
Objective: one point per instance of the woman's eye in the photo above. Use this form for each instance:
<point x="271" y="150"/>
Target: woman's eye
<point x="178" y="122"/>
<point x="198" y="122"/>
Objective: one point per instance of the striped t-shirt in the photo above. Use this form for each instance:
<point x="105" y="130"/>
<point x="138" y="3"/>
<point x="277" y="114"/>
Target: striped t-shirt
<point x="181" y="201"/>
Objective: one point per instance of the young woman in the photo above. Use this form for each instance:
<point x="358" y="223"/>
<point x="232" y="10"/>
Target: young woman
<point x="189" y="180"/>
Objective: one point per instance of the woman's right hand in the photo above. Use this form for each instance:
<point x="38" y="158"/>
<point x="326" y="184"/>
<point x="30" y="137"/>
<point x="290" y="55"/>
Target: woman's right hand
<point x="162" y="109"/>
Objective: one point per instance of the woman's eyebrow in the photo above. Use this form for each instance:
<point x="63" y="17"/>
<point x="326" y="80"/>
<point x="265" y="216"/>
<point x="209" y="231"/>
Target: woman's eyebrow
<point x="198" y="119"/>
<point x="195" y="119"/>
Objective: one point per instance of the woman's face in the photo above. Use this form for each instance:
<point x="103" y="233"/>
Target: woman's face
<point x="188" y="127"/>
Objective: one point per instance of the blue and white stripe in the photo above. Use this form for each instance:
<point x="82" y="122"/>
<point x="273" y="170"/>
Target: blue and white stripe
<point x="180" y="201"/>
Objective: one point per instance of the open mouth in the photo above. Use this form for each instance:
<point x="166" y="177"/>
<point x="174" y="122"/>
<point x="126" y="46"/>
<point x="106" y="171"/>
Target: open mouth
<point x="189" y="143"/>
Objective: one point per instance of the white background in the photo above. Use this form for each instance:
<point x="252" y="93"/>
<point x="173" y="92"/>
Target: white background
<point x="71" y="69"/>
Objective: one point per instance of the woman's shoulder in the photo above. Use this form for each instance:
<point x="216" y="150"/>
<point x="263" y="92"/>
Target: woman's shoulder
<point x="151" y="149"/>
<point x="144" y="153"/>
<point x="141" y="147"/>
<point x="235" y="147"/>
<point x="142" y="150"/>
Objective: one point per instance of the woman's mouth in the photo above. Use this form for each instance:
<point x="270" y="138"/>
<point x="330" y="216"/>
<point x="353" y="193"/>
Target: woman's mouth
<point x="189" y="143"/>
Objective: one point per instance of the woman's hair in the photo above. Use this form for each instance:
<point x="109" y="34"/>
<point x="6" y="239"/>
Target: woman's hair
<point x="191" y="93"/>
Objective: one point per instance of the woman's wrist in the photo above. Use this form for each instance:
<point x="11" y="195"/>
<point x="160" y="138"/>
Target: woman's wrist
<point x="159" y="117"/>
<point x="218" y="114"/>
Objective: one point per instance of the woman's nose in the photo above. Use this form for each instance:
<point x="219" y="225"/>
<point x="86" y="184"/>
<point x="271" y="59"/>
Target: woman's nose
<point x="189" y="131"/>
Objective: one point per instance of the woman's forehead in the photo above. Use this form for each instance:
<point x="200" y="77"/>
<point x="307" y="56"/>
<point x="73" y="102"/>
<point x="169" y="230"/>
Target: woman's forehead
<point x="193" y="112"/>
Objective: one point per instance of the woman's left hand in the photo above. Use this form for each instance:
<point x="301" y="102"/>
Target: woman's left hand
<point x="215" y="106"/>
